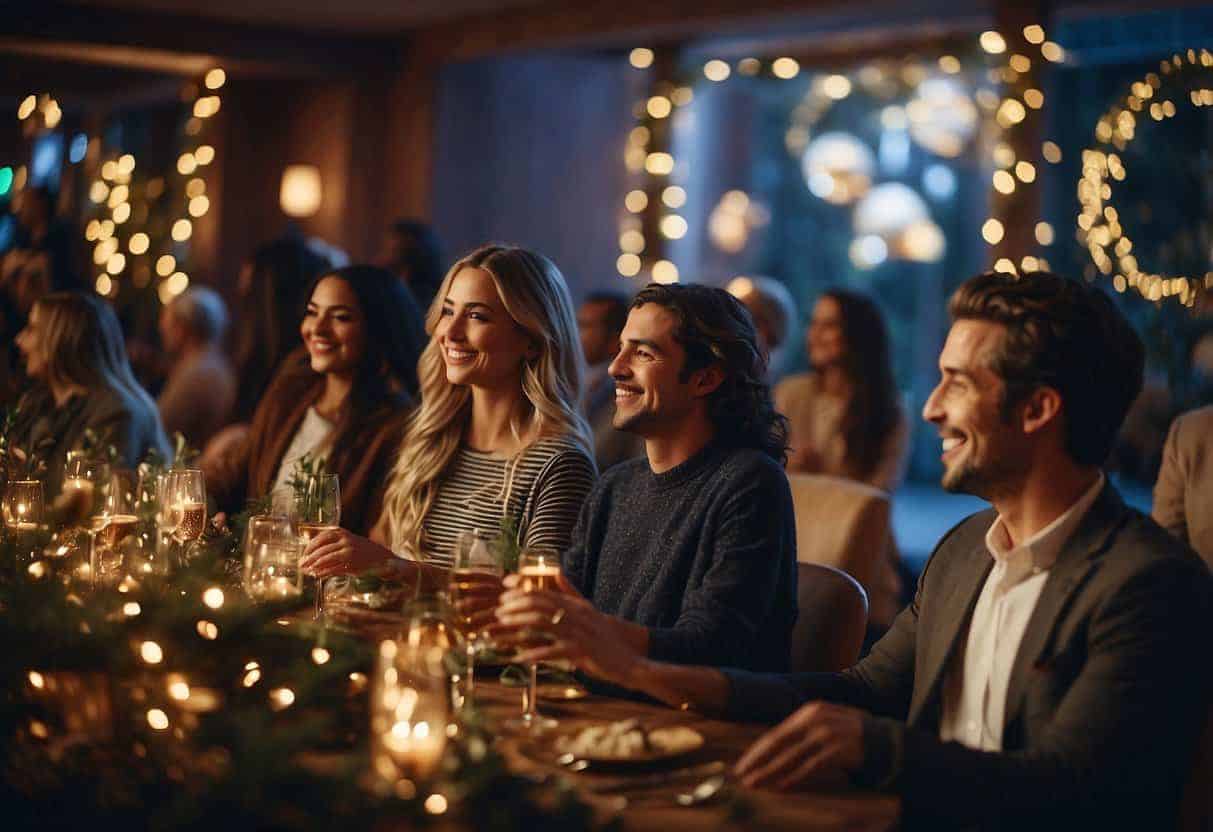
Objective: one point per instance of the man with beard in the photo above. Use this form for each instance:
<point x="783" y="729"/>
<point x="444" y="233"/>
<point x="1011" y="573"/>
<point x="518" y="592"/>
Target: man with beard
<point x="688" y="553"/>
<point x="1051" y="670"/>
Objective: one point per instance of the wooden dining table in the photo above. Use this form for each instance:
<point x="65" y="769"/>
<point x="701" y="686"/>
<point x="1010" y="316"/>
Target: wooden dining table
<point x="623" y="793"/>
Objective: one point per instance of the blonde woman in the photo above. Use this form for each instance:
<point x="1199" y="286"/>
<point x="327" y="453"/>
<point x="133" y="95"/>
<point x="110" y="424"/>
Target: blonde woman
<point x="82" y="381"/>
<point x="497" y="440"/>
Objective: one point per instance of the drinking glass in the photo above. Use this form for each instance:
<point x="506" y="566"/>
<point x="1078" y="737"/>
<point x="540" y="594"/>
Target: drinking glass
<point x="410" y="709"/>
<point x="271" y="559"/>
<point x="317" y="510"/>
<point x="475" y="572"/>
<point x="183" y="506"/>
<point x="538" y="570"/>
<point x="114" y="519"/>
<point x="23" y="506"/>
<point x="86" y="486"/>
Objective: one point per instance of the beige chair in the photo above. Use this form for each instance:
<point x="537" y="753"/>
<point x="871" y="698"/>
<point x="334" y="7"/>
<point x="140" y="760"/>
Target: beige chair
<point x="847" y="525"/>
<point x="833" y="617"/>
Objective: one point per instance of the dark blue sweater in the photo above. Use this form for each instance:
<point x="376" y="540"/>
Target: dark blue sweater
<point x="704" y="555"/>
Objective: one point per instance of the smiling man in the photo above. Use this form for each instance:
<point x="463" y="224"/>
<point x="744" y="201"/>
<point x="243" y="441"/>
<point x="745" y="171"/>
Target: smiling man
<point x="1051" y="671"/>
<point x="687" y="554"/>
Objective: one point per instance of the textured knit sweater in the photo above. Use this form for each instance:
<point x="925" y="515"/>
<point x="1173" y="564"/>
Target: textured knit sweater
<point x="704" y="555"/>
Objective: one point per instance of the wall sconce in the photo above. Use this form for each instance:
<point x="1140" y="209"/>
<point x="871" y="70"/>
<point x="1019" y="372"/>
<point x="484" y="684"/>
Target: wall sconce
<point x="299" y="194"/>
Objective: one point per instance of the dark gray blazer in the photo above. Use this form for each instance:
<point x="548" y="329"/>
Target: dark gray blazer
<point x="1107" y="695"/>
<point x="130" y="424"/>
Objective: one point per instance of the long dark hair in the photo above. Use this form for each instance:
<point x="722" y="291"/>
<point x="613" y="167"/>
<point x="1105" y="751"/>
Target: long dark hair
<point x="268" y="326"/>
<point x="713" y="327"/>
<point x="872" y="412"/>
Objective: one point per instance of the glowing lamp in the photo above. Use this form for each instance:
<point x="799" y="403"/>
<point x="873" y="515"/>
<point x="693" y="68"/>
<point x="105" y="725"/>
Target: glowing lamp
<point x="299" y="194"/>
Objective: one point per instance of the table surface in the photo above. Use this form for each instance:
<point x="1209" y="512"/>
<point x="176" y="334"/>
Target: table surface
<point x="653" y="808"/>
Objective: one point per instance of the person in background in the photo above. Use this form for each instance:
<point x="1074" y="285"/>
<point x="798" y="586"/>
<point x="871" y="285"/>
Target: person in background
<point x="81" y="381"/>
<point x="343" y="397"/>
<point x="43" y="258"/>
<point x="600" y="319"/>
<point x="845" y="417"/>
<point x="412" y="253"/>
<point x="1183" y="494"/>
<point x="687" y="554"/>
<point x="497" y="443"/>
<point x="271" y="290"/>
<point x="1049" y="674"/>
<point x="198" y="395"/>
<point x="774" y="312"/>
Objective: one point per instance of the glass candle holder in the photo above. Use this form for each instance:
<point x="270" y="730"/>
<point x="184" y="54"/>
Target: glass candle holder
<point x="410" y="710"/>
<point x="271" y="560"/>
<point x="23" y="506"/>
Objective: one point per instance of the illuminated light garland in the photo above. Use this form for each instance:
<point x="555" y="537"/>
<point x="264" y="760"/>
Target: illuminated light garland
<point x="1187" y="78"/>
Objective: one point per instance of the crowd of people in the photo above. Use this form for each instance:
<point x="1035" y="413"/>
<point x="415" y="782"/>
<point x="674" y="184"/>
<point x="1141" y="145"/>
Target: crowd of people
<point x="1033" y="677"/>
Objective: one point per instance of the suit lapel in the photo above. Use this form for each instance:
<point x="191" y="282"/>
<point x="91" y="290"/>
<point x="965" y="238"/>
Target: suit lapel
<point x="1076" y="559"/>
<point x="951" y="618"/>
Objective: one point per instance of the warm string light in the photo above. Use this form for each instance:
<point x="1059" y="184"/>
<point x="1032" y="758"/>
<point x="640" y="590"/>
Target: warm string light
<point x="1184" y="77"/>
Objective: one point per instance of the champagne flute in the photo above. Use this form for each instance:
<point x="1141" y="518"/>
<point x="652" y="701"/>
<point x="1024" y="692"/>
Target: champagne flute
<point x="317" y="510"/>
<point x="538" y="570"/>
<point x="477" y="566"/>
<point x="113" y="519"/>
<point x="186" y="510"/>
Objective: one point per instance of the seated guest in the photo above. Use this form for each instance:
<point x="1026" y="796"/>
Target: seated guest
<point x="844" y="418"/>
<point x="1183" y="494"/>
<point x="600" y="319"/>
<point x="497" y="442"/>
<point x="270" y="290"/>
<point x="687" y="554"/>
<point x="201" y="387"/>
<point x="74" y="355"/>
<point x="341" y="398"/>
<point x="1048" y="671"/>
<point x="411" y="252"/>
<point x="774" y="312"/>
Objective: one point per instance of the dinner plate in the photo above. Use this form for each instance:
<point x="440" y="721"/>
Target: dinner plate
<point x="668" y="743"/>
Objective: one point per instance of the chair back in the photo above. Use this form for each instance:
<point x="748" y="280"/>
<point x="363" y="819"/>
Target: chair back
<point x="842" y="523"/>
<point x="832" y="620"/>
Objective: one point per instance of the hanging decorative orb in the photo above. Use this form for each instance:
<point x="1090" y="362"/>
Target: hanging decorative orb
<point x="943" y="118"/>
<point x="838" y="167"/>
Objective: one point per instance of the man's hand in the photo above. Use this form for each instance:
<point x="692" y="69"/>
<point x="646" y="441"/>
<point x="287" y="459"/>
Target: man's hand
<point x="596" y="643"/>
<point x="819" y="745"/>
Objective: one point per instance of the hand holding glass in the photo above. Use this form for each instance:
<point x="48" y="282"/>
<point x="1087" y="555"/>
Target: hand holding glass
<point x="317" y="510"/>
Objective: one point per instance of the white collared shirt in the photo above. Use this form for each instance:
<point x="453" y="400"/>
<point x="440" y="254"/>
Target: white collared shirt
<point x="975" y="689"/>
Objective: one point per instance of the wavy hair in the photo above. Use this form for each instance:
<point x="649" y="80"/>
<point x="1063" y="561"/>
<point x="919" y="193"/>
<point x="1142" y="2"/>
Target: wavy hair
<point x="83" y="345"/>
<point x="535" y="295"/>
<point x="872" y="411"/>
<point x="714" y="327"/>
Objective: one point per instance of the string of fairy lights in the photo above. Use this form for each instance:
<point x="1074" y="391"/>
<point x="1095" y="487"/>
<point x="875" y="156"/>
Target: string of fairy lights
<point x="939" y="105"/>
<point x="1186" y="78"/>
<point x="128" y="240"/>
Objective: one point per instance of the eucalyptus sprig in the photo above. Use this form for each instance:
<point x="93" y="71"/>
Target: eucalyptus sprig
<point x="508" y="544"/>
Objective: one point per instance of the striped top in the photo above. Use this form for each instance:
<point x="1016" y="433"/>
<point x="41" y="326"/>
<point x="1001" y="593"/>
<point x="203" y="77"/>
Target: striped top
<point x="541" y="489"/>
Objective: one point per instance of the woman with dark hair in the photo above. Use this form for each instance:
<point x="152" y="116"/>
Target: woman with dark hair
<point x="271" y="291"/>
<point x="343" y="396"/>
<point x="844" y="416"/>
<point x="82" y="381"/>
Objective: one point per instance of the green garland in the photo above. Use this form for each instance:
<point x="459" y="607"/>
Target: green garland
<point x="147" y="762"/>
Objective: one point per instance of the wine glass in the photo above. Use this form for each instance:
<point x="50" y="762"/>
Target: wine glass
<point x="538" y="570"/>
<point x="114" y="520"/>
<point x="475" y="572"/>
<point x="317" y="510"/>
<point x="86" y="485"/>
<point x="271" y="559"/>
<point x="184" y="513"/>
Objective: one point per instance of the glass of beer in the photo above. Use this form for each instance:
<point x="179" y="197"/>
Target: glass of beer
<point x="475" y="583"/>
<point x="538" y="570"/>
<point x="317" y="510"/>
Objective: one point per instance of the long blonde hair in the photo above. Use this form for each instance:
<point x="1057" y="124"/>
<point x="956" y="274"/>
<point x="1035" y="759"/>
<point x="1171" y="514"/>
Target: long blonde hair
<point x="535" y="295"/>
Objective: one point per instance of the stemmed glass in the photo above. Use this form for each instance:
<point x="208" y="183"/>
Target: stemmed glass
<point x="317" y="510"/>
<point x="475" y="572"/>
<point x="183" y="505"/>
<point x="113" y="519"/>
<point x="86" y="485"/>
<point x="538" y="570"/>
